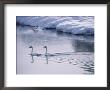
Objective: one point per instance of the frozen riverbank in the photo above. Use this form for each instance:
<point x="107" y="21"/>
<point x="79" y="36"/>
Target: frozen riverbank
<point x="78" y="25"/>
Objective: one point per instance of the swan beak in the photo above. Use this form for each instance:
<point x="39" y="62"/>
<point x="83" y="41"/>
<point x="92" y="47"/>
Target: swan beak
<point x="45" y="47"/>
<point x="30" y="47"/>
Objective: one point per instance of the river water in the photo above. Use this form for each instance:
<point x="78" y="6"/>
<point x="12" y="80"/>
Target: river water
<point x="70" y="54"/>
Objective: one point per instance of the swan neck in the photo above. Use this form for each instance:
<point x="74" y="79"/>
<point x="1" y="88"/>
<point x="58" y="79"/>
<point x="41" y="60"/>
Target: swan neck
<point x="32" y="50"/>
<point x="46" y="50"/>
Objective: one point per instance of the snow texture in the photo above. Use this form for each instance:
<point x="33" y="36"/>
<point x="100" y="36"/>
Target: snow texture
<point x="67" y="24"/>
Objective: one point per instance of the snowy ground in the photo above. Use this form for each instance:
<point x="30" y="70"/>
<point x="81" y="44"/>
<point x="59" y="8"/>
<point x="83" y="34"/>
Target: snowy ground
<point x="67" y="24"/>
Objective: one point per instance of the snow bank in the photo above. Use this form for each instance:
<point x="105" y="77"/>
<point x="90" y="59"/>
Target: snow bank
<point x="69" y="24"/>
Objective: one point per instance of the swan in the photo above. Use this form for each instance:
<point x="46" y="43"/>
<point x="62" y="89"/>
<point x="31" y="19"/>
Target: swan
<point x="46" y="53"/>
<point x="46" y="49"/>
<point x="34" y="54"/>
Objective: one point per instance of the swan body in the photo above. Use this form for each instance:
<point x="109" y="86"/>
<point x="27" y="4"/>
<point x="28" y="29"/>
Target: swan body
<point x="34" y="54"/>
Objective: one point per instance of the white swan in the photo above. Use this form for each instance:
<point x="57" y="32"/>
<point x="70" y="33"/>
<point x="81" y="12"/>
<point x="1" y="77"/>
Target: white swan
<point x="46" y="54"/>
<point x="34" y="54"/>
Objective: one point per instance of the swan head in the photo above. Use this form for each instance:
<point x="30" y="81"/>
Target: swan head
<point x="45" y="47"/>
<point x="30" y="47"/>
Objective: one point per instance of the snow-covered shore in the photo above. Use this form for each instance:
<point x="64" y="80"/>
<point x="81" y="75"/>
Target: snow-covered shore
<point x="68" y="24"/>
